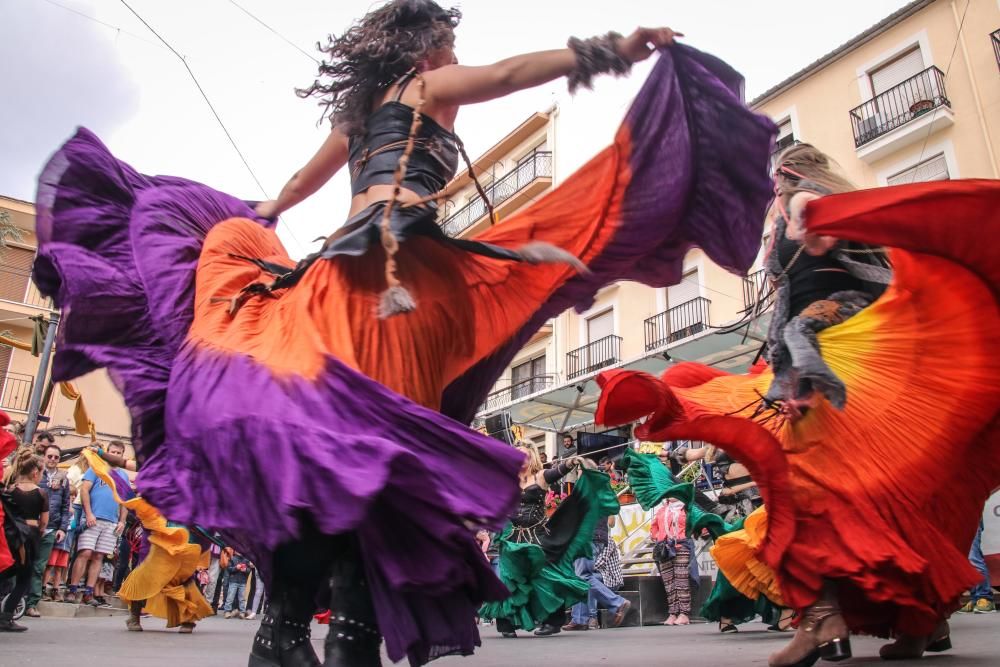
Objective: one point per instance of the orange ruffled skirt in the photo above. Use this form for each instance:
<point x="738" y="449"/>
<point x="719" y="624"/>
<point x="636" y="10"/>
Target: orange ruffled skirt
<point x="883" y="497"/>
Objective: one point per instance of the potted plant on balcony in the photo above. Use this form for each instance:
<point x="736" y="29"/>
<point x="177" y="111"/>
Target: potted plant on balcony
<point x="624" y="493"/>
<point x="923" y="100"/>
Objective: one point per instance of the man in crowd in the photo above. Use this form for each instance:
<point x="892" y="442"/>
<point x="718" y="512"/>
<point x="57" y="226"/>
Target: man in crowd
<point x="105" y="522"/>
<point x="42" y="440"/>
<point x="56" y="486"/>
<point x="981" y="597"/>
<point x="584" y="614"/>
<point x="239" y="570"/>
<point x="607" y="464"/>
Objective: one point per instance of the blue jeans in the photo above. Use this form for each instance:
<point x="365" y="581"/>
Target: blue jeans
<point x="599" y="593"/>
<point x="983" y="590"/>
<point x="238" y="591"/>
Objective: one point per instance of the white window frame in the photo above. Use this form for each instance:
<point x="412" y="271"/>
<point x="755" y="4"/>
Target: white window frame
<point x="594" y="311"/>
<point x="920" y="40"/>
<point x="946" y="148"/>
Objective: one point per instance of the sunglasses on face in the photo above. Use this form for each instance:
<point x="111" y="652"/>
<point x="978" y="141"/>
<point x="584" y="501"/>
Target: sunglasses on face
<point x="54" y="457"/>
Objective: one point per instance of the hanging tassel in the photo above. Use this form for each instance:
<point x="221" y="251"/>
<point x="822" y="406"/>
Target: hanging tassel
<point x="396" y="299"/>
<point x="539" y="252"/>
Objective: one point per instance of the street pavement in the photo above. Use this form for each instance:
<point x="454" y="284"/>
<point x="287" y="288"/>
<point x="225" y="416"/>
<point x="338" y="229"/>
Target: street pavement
<point x="103" y="642"/>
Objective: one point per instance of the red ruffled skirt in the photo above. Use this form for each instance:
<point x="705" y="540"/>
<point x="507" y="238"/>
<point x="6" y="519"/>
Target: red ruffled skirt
<point x="885" y="496"/>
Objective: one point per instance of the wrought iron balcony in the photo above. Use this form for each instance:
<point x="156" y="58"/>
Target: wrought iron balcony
<point x="677" y="323"/>
<point x="602" y="353"/>
<point x="16" y="391"/>
<point x="518" y="390"/>
<point x="918" y="95"/>
<point x="530" y="168"/>
<point x="995" y="38"/>
<point x="757" y="287"/>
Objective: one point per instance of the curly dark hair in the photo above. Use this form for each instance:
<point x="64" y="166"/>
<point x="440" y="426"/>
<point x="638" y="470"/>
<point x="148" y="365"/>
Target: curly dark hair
<point x="373" y="53"/>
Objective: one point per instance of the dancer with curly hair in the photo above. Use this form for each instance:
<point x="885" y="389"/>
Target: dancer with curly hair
<point x="337" y="390"/>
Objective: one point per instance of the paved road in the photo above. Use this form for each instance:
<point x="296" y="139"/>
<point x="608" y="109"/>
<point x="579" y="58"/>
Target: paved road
<point x="103" y="642"/>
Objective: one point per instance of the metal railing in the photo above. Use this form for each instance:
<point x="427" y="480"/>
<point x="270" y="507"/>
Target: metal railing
<point x="536" y="165"/>
<point x="995" y="38"/>
<point x="757" y="286"/>
<point x="16" y="285"/>
<point x="517" y="391"/>
<point x="677" y="323"/>
<point x="602" y="353"/>
<point x="16" y="393"/>
<point x="899" y="105"/>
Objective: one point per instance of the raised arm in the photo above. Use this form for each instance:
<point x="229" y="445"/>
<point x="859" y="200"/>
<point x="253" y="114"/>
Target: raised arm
<point x="327" y="161"/>
<point x="455" y="85"/>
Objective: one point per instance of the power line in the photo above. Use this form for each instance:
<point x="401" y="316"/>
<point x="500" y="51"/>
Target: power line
<point x="103" y="23"/>
<point x="214" y="112"/>
<point x="278" y="34"/>
<point x="947" y="69"/>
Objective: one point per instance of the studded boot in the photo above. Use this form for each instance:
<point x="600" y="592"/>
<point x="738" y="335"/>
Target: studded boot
<point x="354" y="639"/>
<point x="283" y="637"/>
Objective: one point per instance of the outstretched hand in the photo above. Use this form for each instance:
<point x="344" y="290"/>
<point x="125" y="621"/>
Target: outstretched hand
<point x="267" y="209"/>
<point x="644" y="41"/>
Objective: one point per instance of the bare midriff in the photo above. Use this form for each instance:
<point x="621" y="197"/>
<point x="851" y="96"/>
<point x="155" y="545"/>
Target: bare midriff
<point x="380" y="193"/>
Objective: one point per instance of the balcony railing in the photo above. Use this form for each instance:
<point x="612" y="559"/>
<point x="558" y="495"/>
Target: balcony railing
<point x="756" y="287"/>
<point x="517" y="391"/>
<point x="995" y="38"/>
<point x="602" y="353"/>
<point x="899" y="105"/>
<point x="677" y="323"/>
<point x="16" y="392"/>
<point x="535" y="165"/>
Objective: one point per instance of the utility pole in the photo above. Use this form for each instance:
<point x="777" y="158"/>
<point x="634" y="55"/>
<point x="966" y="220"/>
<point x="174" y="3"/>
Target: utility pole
<point x="43" y="371"/>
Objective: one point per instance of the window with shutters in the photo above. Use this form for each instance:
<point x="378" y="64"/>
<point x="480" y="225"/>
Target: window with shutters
<point x="896" y="71"/>
<point x="15" y="272"/>
<point x="686" y="290"/>
<point x="933" y="169"/>
<point x="688" y="312"/>
<point x="602" y="348"/>
<point x="600" y="326"/>
<point x="527" y="378"/>
<point x="786" y="138"/>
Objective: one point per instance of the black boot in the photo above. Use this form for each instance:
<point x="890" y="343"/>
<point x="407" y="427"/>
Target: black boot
<point x="283" y="637"/>
<point x="7" y="623"/>
<point x="354" y="639"/>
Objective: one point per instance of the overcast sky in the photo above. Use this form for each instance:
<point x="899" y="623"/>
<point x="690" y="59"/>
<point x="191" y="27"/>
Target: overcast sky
<point x="110" y="74"/>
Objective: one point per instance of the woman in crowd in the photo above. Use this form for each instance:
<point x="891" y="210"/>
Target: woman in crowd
<point x="29" y="504"/>
<point x="373" y="353"/>
<point x="859" y="401"/>
<point x="537" y="552"/>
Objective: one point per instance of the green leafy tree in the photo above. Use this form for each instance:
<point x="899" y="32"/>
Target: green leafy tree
<point x="8" y="230"/>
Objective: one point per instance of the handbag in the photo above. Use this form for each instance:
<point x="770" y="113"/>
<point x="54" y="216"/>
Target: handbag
<point x="665" y="550"/>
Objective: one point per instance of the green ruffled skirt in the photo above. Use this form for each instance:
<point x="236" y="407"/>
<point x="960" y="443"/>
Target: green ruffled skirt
<point x="539" y="584"/>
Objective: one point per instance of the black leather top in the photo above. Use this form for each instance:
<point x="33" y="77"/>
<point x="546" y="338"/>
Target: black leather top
<point x="532" y="507"/>
<point x="812" y="278"/>
<point x="375" y="155"/>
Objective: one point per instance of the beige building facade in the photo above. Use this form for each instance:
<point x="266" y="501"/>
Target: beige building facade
<point x="913" y="98"/>
<point x="20" y="301"/>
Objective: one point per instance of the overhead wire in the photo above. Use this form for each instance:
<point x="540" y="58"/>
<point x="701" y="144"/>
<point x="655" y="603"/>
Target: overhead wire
<point x="215" y="113"/>
<point x="275" y="32"/>
<point x="947" y="69"/>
